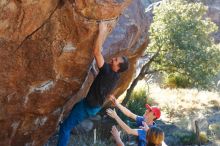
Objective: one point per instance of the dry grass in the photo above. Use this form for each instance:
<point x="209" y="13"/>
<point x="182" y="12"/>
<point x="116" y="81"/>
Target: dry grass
<point x="184" y="102"/>
<point x="176" y="103"/>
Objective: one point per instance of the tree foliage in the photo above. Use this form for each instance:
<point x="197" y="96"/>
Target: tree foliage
<point x="184" y="37"/>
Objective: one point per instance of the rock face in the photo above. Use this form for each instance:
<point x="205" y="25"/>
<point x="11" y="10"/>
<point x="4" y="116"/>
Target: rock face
<point x="46" y="59"/>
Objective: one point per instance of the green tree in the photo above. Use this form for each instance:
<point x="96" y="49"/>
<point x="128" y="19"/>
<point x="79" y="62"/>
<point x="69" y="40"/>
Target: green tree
<point x="183" y="35"/>
<point x="181" y="42"/>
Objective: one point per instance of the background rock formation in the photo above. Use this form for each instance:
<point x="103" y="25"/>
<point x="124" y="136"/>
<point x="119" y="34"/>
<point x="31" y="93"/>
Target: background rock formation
<point x="46" y="59"/>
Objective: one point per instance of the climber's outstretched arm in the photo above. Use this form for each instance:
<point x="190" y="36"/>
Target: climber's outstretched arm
<point x="103" y="32"/>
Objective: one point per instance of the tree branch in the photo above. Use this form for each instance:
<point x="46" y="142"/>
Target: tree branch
<point x="140" y="76"/>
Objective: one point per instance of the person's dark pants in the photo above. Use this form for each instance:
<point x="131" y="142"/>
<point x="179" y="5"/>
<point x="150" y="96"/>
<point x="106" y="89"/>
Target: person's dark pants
<point x="80" y="112"/>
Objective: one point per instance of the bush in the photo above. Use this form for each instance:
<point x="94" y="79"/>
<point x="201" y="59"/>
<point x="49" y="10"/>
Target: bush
<point x="203" y="137"/>
<point x="176" y="81"/>
<point x="215" y="130"/>
<point x="186" y="138"/>
<point x="137" y="102"/>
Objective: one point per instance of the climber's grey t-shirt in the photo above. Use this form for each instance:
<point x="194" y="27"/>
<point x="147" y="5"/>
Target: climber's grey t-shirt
<point x="103" y="84"/>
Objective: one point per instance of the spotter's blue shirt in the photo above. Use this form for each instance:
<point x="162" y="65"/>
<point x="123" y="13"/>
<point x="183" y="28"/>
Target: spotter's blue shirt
<point x="142" y="133"/>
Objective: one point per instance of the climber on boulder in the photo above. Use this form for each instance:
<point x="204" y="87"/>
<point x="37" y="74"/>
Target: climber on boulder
<point x="101" y="87"/>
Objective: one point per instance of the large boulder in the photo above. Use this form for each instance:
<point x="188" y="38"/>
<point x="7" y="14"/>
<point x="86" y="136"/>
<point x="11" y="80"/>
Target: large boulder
<point x="46" y="58"/>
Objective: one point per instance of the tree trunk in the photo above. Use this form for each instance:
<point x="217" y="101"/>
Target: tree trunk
<point x="144" y="71"/>
<point x="129" y="91"/>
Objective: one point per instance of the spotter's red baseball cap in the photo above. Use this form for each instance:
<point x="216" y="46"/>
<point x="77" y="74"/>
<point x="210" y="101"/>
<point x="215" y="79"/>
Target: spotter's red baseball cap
<point x="154" y="109"/>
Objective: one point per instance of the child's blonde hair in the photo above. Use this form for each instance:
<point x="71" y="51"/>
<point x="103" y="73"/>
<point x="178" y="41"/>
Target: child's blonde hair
<point x="155" y="136"/>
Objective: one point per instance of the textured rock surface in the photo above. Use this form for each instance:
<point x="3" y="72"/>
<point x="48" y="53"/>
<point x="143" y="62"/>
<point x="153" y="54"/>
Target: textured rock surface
<point x="46" y="58"/>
